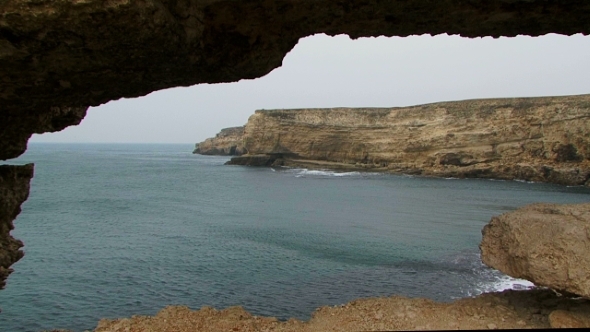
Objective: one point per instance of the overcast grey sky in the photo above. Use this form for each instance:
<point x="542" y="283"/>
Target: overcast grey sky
<point x="324" y="71"/>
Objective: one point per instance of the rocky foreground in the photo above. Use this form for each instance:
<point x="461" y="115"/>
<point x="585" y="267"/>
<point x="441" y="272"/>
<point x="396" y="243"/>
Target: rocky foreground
<point x="535" y="139"/>
<point x="548" y="244"/>
<point x="508" y="310"/>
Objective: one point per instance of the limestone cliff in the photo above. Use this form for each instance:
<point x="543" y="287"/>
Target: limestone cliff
<point x="228" y="142"/>
<point x="535" y="139"/>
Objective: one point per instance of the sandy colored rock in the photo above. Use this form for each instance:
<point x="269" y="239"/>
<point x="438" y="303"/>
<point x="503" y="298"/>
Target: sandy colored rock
<point x="228" y="142"/>
<point x="534" y="139"/>
<point x="548" y="244"/>
<point x="14" y="190"/>
<point x="507" y="310"/>
<point x="566" y="319"/>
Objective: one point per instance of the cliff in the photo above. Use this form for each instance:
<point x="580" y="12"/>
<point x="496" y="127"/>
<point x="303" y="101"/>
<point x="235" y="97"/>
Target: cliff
<point x="228" y="142"/>
<point x="534" y="139"/>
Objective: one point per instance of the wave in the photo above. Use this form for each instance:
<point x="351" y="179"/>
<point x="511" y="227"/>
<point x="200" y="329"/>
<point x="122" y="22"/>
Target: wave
<point x="489" y="280"/>
<point x="303" y="172"/>
<point x="502" y="283"/>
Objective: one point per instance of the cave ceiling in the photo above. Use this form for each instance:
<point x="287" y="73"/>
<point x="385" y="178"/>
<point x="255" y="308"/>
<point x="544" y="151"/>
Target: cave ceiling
<point x="58" y="57"/>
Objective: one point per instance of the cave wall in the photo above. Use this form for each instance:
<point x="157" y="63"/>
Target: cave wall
<point x="14" y="190"/>
<point x="58" y="57"/>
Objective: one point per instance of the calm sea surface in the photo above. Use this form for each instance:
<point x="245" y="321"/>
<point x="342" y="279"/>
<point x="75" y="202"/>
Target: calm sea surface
<point x="118" y="230"/>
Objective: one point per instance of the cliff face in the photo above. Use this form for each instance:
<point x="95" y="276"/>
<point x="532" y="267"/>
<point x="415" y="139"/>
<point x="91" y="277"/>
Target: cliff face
<point x="536" y="139"/>
<point x="228" y="142"/>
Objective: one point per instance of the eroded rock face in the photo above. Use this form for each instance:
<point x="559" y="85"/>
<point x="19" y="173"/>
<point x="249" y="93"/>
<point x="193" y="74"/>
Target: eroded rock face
<point x="535" y="139"/>
<point x="548" y="244"/>
<point x="228" y="142"/>
<point x="74" y="54"/>
<point x="14" y="190"/>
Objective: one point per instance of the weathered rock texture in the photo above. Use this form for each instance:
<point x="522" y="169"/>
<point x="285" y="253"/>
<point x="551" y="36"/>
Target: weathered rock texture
<point x="537" y="139"/>
<point x="14" y="190"/>
<point x="228" y="142"/>
<point x="71" y="54"/>
<point x="508" y="310"/>
<point x="548" y="244"/>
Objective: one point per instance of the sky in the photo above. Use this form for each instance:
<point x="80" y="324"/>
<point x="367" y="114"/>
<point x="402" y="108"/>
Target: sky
<point x="323" y="71"/>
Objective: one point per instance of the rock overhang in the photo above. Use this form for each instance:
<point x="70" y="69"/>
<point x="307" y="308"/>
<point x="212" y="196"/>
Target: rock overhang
<point x="70" y="55"/>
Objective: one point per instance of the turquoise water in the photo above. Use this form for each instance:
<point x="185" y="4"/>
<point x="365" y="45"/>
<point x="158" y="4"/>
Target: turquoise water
<point x="117" y="230"/>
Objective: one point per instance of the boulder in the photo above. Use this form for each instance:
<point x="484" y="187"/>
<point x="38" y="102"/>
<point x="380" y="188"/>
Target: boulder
<point x="547" y="244"/>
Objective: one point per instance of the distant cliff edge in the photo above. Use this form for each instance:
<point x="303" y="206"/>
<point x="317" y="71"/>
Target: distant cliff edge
<point x="543" y="139"/>
<point x="228" y="142"/>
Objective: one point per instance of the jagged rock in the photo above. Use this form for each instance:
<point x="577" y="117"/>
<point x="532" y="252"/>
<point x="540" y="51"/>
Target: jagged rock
<point x="14" y="190"/>
<point x="534" y="139"/>
<point x="548" y="244"/>
<point x="228" y="142"/>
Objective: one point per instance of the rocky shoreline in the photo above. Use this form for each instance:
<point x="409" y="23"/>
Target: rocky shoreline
<point x="540" y="139"/>
<point x="507" y="310"/>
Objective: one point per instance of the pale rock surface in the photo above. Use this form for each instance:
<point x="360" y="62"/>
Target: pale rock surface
<point x="548" y="244"/>
<point x="566" y="319"/>
<point x="228" y="142"/>
<point x="534" y="139"/>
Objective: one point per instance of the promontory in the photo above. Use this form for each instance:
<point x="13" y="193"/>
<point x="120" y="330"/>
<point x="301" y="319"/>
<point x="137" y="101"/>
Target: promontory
<point x="545" y="139"/>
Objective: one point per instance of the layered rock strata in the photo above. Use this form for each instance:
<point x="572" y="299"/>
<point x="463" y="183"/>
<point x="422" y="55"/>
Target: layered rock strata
<point x="228" y="142"/>
<point x="14" y="190"/>
<point x="507" y="310"/>
<point x="534" y="139"/>
<point x="548" y="244"/>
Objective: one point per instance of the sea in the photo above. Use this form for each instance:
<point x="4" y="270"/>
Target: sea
<point x="115" y="230"/>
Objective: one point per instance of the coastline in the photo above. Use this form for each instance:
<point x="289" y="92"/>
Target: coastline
<point x="540" y="139"/>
